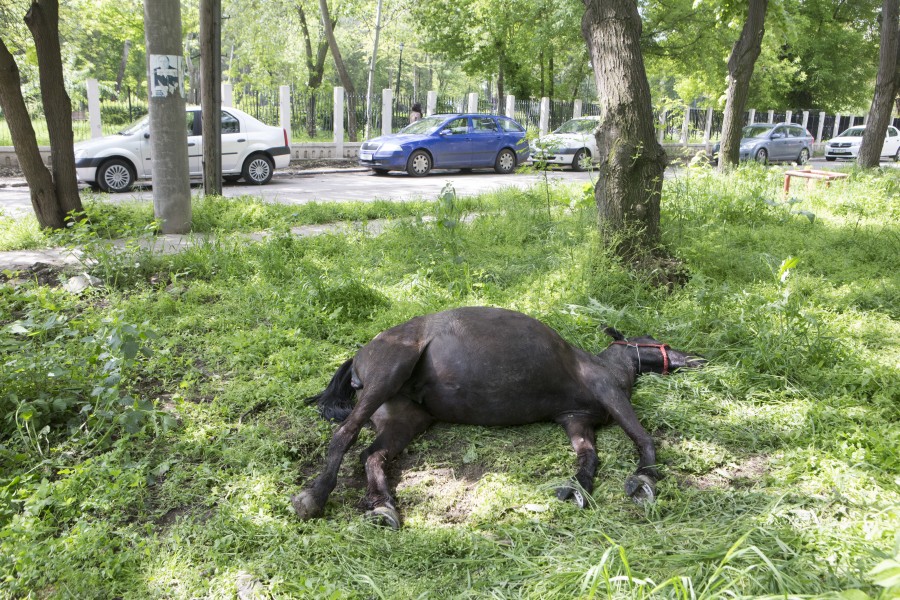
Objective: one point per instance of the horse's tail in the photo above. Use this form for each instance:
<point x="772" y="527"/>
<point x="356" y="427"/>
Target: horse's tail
<point x="336" y="401"/>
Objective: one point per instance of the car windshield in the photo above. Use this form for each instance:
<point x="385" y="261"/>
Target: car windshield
<point x="136" y="126"/>
<point x="578" y="126"/>
<point x="424" y="126"/>
<point x="755" y="131"/>
<point x="853" y="132"/>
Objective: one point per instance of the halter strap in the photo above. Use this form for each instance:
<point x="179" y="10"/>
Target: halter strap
<point x="660" y="347"/>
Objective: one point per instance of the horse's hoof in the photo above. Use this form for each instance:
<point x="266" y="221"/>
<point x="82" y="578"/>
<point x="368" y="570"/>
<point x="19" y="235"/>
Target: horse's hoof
<point x="566" y="492"/>
<point x="305" y="506"/>
<point x="640" y="488"/>
<point x="384" y="516"/>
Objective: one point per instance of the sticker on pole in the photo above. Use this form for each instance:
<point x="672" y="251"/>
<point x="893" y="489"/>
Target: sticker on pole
<point x="166" y="75"/>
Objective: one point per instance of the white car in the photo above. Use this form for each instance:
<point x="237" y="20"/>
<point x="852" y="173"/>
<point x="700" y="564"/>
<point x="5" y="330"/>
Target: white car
<point x="574" y="144"/>
<point x="847" y="144"/>
<point x="251" y="150"/>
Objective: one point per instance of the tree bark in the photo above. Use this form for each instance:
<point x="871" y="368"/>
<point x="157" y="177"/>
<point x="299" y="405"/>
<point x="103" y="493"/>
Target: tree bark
<point x="886" y="86"/>
<point x="168" y="136"/>
<point x="43" y="21"/>
<point x="740" y="69"/>
<point x="631" y="160"/>
<point x="40" y="181"/>
<point x="211" y="94"/>
<point x="349" y="90"/>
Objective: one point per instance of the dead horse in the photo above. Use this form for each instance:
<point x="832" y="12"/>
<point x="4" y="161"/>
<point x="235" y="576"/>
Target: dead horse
<point x="484" y="366"/>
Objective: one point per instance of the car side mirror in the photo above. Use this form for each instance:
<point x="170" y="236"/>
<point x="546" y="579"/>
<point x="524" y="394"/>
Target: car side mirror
<point x="446" y="132"/>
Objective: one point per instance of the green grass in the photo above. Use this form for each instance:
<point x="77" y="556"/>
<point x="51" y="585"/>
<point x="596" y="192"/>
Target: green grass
<point x="126" y="472"/>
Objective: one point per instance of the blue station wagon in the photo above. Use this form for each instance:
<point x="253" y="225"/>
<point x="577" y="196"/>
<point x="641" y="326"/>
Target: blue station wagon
<point x="458" y="141"/>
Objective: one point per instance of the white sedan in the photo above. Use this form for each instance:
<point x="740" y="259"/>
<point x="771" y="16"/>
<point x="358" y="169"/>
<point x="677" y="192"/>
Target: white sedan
<point x="251" y="150"/>
<point x="847" y="144"/>
<point x="573" y="144"/>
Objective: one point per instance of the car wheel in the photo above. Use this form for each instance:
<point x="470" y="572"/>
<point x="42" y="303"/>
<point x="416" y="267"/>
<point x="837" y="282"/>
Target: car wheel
<point x="804" y="157"/>
<point x="897" y="155"/>
<point x="506" y="162"/>
<point x="380" y="172"/>
<point x="419" y="164"/>
<point x="231" y="178"/>
<point x="830" y="158"/>
<point x="258" y="169"/>
<point x="581" y="157"/>
<point x="115" y="175"/>
<point x="762" y="156"/>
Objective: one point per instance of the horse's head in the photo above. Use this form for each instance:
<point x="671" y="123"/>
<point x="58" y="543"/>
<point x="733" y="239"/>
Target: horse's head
<point x="653" y="356"/>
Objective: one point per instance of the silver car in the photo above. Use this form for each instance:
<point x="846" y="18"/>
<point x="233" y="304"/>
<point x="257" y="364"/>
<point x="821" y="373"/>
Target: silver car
<point x="774" y="142"/>
<point x="251" y="150"/>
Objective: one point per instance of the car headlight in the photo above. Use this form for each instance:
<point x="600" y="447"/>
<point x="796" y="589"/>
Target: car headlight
<point x="390" y="148"/>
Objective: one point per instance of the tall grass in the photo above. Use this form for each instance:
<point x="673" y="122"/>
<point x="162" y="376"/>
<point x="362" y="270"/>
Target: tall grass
<point x="780" y="459"/>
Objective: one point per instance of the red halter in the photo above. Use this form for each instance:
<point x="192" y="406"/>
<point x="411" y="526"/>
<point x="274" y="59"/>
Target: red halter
<point x="660" y="347"/>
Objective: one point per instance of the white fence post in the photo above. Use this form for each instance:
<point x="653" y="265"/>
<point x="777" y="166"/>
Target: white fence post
<point x="752" y="116"/>
<point x="821" y="127"/>
<point x="707" y="131"/>
<point x="787" y="116"/>
<point x="510" y="106"/>
<point x="576" y="111"/>
<point x="661" y="135"/>
<point x="686" y="126"/>
<point x="430" y="103"/>
<point x="284" y="93"/>
<point x="338" y="122"/>
<point x="473" y="102"/>
<point x="805" y="119"/>
<point x="852" y="121"/>
<point x="545" y="116"/>
<point x="771" y="117"/>
<point x="227" y="98"/>
<point x="93" y="96"/>
<point x="387" y="111"/>
<point x="837" y="125"/>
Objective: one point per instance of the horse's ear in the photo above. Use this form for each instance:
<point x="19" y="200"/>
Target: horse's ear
<point x="614" y="334"/>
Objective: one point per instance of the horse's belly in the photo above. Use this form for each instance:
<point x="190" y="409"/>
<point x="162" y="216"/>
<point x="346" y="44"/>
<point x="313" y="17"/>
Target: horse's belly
<point x="452" y="404"/>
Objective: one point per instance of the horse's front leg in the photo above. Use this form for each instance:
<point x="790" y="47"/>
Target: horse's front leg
<point x="641" y="486"/>
<point x="581" y="433"/>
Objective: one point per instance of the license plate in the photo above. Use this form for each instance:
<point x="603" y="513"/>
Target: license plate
<point x="365" y="156"/>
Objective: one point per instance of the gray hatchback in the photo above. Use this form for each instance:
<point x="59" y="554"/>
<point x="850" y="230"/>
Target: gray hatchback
<point x="774" y="142"/>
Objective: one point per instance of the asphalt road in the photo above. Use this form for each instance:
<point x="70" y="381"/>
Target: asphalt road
<point x="332" y="186"/>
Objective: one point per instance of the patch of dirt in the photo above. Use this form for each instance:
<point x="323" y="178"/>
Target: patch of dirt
<point x="741" y="475"/>
<point x="42" y="273"/>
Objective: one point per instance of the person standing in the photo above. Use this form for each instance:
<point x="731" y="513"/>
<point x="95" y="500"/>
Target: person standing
<point x="415" y="112"/>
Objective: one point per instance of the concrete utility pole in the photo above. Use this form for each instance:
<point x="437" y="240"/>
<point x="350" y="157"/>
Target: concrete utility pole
<point x="168" y="133"/>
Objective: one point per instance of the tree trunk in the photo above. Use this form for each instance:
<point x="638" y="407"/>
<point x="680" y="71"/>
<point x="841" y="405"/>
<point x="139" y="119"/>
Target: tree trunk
<point x="740" y="69"/>
<point x="211" y="94"/>
<point x="631" y="160"/>
<point x="40" y="182"/>
<point x="349" y="90"/>
<point x="168" y="136"/>
<point x="314" y="68"/>
<point x="43" y="21"/>
<point x="886" y="86"/>
<point x="122" y="66"/>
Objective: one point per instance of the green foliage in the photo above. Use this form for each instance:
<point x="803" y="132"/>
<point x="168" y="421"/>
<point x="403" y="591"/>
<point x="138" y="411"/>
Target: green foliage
<point x="779" y="458"/>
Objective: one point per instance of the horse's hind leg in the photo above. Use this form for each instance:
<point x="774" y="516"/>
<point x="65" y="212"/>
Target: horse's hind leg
<point x="397" y="422"/>
<point x="581" y="433"/>
<point x="381" y="385"/>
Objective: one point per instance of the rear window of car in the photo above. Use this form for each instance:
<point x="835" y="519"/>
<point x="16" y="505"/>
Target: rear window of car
<point x="484" y="124"/>
<point x="230" y="124"/>
<point x="510" y="125"/>
<point x="892" y="131"/>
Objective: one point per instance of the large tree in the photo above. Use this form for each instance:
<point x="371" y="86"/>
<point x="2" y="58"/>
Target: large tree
<point x="54" y="193"/>
<point x="887" y="84"/>
<point x="631" y="160"/>
<point x="315" y="65"/>
<point x="737" y="83"/>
